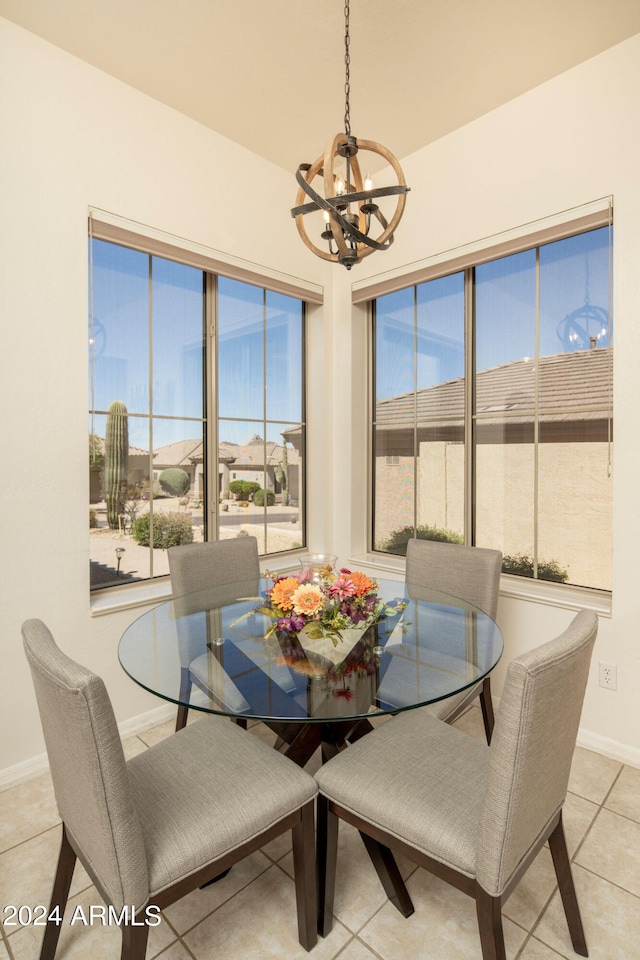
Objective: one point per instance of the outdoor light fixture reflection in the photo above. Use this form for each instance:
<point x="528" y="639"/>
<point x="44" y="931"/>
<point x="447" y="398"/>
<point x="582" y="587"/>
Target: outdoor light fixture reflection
<point x="348" y="206"/>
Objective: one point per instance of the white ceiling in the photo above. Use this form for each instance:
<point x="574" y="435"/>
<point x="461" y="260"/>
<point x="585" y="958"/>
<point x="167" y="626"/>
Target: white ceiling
<point x="269" y="74"/>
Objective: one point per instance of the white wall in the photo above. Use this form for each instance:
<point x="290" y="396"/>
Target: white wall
<point x="72" y="137"/>
<point x="570" y="141"/>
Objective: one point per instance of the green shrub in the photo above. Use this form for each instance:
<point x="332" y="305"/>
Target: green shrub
<point x="260" y="496"/>
<point x="169" y="530"/>
<point x="243" y="488"/>
<point x="174" y="481"/>
<point x="521" y="565"/>
<point x="397" y="541"/>
<point x="93" y="518"/>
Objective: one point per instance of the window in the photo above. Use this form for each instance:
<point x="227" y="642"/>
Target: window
<point x="196" y="412"/>
<point x="492" y="385"/>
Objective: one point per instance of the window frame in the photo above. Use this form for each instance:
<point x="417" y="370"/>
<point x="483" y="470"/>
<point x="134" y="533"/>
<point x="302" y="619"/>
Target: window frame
<point x="562" y="226"/>
<point x="154" y="243"/>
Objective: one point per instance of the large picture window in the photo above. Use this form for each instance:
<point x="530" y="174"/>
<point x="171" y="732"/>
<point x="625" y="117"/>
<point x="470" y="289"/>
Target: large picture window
<point x="493" y="401"/>
<point x="196" y="412"/>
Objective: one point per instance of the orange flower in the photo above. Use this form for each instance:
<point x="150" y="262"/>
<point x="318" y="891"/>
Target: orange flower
<point x="362" y="582"/>
<point x="308" y="599"/>
<point x="282" y="591"/>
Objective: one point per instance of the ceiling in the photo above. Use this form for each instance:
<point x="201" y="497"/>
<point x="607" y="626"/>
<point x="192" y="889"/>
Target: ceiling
<point x="269" y="74"/>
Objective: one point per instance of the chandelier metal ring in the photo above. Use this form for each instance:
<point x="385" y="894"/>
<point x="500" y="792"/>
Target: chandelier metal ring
<point x="349" y="207"/>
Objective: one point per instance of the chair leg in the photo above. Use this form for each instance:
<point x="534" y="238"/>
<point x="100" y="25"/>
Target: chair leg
<point x="389" y="875"/>
<point x="486" y="704"/>
<point x="59" y="896"/>
<point x="489" y="910"/>
<point x="562" y="866"/>
<point x="134" y="942"/>
<point x="185" y="690"/>
<point x="304" y="869"/>
<point x="327" y="854"/>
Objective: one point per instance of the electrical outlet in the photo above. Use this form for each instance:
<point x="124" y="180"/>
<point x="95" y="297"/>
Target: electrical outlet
<point x="608" y="674"/>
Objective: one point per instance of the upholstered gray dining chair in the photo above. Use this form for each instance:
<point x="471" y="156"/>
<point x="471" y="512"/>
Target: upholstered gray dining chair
<point x="152" y="829"/>
<point x="199" y="566"/>
<point x="474" y="815"/>
<point x="472" y="574"/>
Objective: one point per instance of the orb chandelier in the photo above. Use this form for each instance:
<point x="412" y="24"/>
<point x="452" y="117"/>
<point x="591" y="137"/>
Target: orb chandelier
<point x="350" y="213"/>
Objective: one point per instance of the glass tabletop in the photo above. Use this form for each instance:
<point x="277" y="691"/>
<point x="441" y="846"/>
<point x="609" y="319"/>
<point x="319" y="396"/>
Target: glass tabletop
<point x="208" y="651"/>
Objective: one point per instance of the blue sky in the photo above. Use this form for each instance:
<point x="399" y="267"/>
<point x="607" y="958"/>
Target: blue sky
<point x="573" y="284"/>
<point x="126" y="304"/>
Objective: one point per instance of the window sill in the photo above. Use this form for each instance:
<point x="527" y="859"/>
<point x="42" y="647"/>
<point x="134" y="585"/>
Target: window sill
<point x="114" y="599"/>
<point x="518" y="588"/>
<point x="149" y="592"/>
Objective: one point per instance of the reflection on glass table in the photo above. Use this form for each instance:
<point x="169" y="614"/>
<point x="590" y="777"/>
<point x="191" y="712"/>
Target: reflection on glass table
<point x="208" y="651"/>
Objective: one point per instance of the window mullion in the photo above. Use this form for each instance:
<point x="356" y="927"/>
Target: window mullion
<point x="416" y="452"/>
<point x="469" y="407"/>
<point x="210" y="401"/>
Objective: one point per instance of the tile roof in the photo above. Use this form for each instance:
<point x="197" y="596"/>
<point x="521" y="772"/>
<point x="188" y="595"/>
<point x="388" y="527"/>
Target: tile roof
<point x="570" y="386"/>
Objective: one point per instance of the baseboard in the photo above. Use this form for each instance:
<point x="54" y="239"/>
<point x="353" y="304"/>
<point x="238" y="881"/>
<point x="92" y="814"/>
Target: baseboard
<point x="36" y="766"/>
<point x="613" y="749"/>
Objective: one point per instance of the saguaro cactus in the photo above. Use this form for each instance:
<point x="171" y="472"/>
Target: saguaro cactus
<point x="116" y="461"/>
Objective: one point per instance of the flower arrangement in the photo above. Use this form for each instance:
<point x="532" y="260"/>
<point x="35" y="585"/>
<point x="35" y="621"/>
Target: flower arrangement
<point x="321" y="604"/>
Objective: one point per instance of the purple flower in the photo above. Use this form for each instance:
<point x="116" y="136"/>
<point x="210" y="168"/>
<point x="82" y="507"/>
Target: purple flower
<point x="290" y="624"/>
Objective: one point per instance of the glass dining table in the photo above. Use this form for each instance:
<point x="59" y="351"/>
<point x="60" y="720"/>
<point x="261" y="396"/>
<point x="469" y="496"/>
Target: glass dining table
<point x="212" y="652"/>
<point x="207" y="651"/>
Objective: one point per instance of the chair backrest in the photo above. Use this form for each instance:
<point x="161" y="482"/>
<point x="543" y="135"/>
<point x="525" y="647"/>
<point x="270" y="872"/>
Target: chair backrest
<point x="471" y="573"/>
<point x="88" y="769"/>
<point x="197" y="566"/>
<point x="532" y="748"/>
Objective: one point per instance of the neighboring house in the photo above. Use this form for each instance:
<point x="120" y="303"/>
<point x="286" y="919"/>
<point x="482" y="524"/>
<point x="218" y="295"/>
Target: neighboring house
<point x="573" y="425"/>
<point x="262" y="462"/>
<point x="257" y="461"/>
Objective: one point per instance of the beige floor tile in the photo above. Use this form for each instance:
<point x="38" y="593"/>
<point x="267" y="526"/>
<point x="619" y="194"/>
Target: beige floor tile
<point x="177" y="951"/>
<point x="26" y="810"/>
<point x="611" y="919"/>
<point x="279" y="847"/>
<point x="578" y="815"/>
<point x="357" y="951"/>
<point x="160" y="732"/>
<point x="592" y="775"/>
<point x="534" y="950"/>
<point x="190" y="910"/>
<point x="260" y="924"/>
<point x="625" y="796"/>
<point x="4" y="953"/>
<point x="612" y="850"/>
<point x="132" y="746"/>
<point x="444" y="926"/>
<point x="531" y="896"/>
<point x="27" y="872"/>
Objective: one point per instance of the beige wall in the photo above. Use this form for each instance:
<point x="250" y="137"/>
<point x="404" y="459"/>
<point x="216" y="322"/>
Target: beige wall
<point x="73" y="137"/>
<point x="522" y="162"/>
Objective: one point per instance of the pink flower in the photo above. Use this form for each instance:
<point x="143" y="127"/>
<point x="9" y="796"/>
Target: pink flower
<point x="342" y="589"/>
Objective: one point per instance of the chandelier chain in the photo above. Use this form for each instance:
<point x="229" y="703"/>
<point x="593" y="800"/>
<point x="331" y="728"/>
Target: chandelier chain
<point x="347" y="63"/>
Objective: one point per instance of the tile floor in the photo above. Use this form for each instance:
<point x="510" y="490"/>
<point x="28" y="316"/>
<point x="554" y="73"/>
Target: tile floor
<point x="250" y="915"/>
